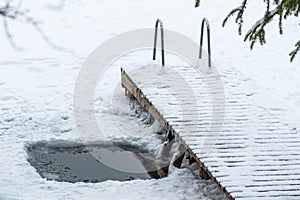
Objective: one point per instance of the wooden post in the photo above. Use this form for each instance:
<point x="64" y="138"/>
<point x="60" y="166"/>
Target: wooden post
<point x="203" y="174"/>
<point x="178" y="161"/>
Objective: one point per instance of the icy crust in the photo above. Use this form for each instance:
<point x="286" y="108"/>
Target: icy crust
<point x="136" y="189"/>
<point x="18" y="173"/>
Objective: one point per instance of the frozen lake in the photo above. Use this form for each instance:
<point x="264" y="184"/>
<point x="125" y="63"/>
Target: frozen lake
<point x="37" y="85"/>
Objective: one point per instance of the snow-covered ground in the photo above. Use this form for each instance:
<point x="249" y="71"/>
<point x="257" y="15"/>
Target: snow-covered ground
<point x="37" y="86"/>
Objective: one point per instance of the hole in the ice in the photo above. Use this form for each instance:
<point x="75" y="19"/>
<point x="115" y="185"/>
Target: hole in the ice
<point x="77" y="163"/>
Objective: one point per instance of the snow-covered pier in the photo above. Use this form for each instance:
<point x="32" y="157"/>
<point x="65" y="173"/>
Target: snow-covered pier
<point x="250" y="153"/>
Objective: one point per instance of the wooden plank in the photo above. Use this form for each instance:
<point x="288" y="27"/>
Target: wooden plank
<point x="128" y="83"/>
<point x="245" y="161"/>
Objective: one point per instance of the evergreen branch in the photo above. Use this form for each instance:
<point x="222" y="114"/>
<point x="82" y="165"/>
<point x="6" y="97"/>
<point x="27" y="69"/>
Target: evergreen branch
<point x="197" y="3"/>
<point x="239" y="18"/>
<point x="238" y="9"/>
<point x="295" y="51"/>
<point x="257" y="31"/>
<point x="268" y="5"/>
<point x="240" y="13"/>
<point x="284" y="9"/>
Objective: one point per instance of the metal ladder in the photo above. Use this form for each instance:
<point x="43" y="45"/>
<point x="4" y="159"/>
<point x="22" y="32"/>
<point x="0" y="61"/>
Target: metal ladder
<point x="158" y="21"/>
<point x="205" y="21"/>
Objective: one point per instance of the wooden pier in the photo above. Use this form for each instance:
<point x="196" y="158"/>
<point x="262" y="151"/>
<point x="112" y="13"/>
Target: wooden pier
<point x="254" y="156"/>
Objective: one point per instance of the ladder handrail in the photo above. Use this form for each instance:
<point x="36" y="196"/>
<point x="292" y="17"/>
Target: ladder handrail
<point x="162" y="41"/>
<point x="208" y="40"/>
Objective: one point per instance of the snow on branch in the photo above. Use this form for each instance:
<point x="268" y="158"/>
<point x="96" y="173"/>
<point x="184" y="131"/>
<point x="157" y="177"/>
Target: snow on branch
<point x="257" y="31"/>
<point x="284" y="9"/>
<point x="238" y="9"/>
<point x="240" y="14"/>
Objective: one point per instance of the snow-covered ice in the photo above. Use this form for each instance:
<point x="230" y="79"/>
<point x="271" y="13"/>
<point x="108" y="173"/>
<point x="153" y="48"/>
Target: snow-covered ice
<point x="37" y="86"/>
